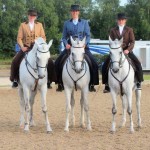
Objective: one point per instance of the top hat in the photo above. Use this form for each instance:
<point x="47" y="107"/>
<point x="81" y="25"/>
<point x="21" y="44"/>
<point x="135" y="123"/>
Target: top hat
<point x="32" y="12"/>
<point x="121" y="16"/>
<point x="75" y="7"/>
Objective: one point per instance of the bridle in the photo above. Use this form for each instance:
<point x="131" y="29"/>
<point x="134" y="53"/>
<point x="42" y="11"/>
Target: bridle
<point x="72" y="63"/>
<point x="37" y="65"/>
<point x="121" y="62"/>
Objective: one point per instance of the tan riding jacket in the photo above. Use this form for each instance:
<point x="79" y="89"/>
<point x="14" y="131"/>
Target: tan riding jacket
<point x="26" y="37"/>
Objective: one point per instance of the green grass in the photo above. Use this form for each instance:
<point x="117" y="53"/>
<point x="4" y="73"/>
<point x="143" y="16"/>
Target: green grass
<point x="146" y="77"/>
<point x="6" y="61"/>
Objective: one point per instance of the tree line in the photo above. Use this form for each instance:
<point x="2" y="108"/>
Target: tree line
<point x="101" y="15"/>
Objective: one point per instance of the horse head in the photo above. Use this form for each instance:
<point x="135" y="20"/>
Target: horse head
<point x="42" y="56"/>
<point x="77" y="54"/>
<point x="116" y="54"/>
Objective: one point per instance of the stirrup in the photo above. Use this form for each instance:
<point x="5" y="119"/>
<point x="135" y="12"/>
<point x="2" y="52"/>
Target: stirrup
<point x="14" y="84"/>
<point x="107" y="89"/>
<point x="92" y="88"/>
<point x="60" y="88"/>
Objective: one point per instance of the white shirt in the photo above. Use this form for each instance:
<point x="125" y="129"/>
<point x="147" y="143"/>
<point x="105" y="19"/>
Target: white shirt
<point x="75" y="21"/>
<point x="31" y="25"/>
<point x="121" y="29"/>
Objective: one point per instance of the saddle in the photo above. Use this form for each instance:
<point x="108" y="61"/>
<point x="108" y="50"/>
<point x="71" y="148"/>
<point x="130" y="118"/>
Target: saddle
<point x="131" y="63"/>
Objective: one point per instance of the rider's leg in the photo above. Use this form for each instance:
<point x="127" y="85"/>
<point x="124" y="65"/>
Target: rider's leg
<point x="105" y="68"/>
<point x="14" y="74"/>
<point x="51" y="74"/>
<point x="93" y="71"/>
<point x="138" y="71"/>
<point x="59" y="66"/>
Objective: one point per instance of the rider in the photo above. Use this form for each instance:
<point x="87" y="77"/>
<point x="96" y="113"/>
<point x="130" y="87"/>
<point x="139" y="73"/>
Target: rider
<point x="121" y="30"/>
<point x="77" y="28"/>
<point x="28" y="32"/>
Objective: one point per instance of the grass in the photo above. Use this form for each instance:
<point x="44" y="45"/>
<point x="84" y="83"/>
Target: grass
<point x="147" y="77"/>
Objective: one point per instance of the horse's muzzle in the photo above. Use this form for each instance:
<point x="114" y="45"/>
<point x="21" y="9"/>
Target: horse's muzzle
<point x="115" y="70"/>
<point x="41" y="77"/>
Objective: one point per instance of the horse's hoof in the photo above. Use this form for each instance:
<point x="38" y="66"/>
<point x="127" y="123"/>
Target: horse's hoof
<point x="112" y="132"/>
<point x="89" y="128"/>
<point x="32" y="124"/>
<point x="131" y="131"/>
<point x="82" y="125"/>
<point x="122" y="125"/>
<point x="21" y="126"/>
<point x="26" y="131"/>
<point x="49" y="132"/>
<point x="66" y="130"/>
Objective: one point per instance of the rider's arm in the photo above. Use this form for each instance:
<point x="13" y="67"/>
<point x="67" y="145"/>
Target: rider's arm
<point x="132" y="40"/>
<point x="42" y="32"/>
<point x="20" y="36"/>
<point x="64" y="36"/>
<point x="87" y="33"/>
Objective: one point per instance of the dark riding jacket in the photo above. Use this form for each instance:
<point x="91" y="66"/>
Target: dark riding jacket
<point x="128" y="37"/>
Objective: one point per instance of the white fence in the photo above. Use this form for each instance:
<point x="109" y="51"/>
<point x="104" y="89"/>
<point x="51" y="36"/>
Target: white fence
<point x="141" y="50"/>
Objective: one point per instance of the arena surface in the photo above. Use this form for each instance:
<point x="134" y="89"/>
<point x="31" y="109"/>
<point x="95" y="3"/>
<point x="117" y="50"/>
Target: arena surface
<point x="12" y="137"/>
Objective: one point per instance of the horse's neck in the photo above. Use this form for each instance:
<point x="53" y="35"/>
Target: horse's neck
<point x="31" y="57"/>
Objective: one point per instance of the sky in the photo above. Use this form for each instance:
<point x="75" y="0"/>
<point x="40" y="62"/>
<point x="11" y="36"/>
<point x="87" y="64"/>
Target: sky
<point x="123" y="2"/>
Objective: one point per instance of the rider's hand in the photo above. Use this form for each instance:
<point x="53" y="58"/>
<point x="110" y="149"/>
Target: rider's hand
<point x="126" y="52"/>
<point x="24" y="49"/>
<point x="68" y="46"/>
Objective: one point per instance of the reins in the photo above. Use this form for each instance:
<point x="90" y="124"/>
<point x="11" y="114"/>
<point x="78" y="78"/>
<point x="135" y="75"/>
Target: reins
<point x="120" y="65"/>
<point x="34" y="69"/>
<point x="75" y="81"/>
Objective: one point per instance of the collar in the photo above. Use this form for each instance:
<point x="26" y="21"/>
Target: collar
<point x="35" y="22"/>
<point x="79" y="20"/>
<point x="121" y="26"/>
<point x="117" y="27"/>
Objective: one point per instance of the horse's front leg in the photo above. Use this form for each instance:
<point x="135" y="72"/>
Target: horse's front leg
<point x="138" y="97"/>
<point x="43" y="91"/>
<point x="114" y="110"/>
<point x="123" y="122"/>
<point x="68" y="92"/>
<point x="72" y="109"/>
<point x="22" y="107"/>
<point x="129" y="99"/>
<point x="84" y="94"/>
<point x="82" y="124"/>
<point x="27" y="107"/>
<point x="32" y="97"/>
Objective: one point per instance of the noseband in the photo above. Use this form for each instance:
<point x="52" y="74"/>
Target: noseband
<point x="37" y="63"/>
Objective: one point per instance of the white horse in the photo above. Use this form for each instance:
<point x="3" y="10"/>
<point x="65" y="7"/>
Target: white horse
<point x="121" y="81"/>
<point x="33" y="76"/>
<point x="75" y="75"/>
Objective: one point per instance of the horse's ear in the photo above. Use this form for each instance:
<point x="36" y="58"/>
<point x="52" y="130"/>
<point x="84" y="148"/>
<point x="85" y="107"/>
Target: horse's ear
<point x="121" y="40"/>
<point x="72" y="40"/>
<point x="36" y="42"/>
<point x="50" y="43"/>
<point x="84" y="41"/>
<point x="110" y="40"/>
